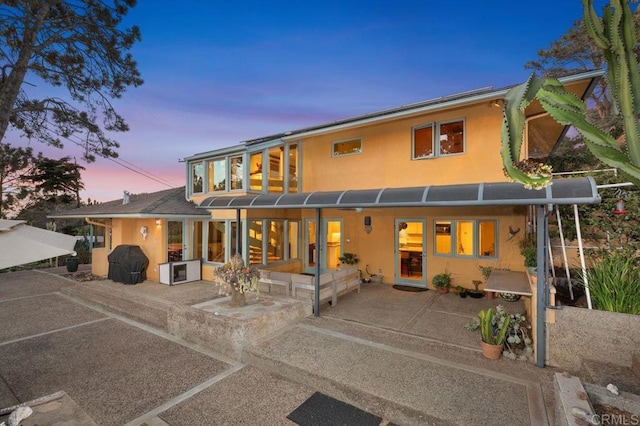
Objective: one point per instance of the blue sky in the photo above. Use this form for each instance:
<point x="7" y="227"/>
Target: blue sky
<point x="220" y="72"/>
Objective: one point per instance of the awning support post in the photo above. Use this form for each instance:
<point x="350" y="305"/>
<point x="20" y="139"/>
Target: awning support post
<point x="316" y="290"/>
<point x="541" y="285"/>
<point x="238" y="233"/>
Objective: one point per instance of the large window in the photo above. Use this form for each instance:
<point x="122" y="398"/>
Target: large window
<point x="255" y="242"/>
<point x="347" y="147"/>
<point x="465" y="238"/>
<point x="449" y="141"/>
<point x="280" y="173"/>
<point x="216" y="241"/>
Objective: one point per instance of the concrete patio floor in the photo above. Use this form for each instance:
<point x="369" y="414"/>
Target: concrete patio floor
<point x="403" y="356"/>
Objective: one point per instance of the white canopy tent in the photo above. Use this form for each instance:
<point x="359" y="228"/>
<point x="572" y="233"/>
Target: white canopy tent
<point x="21" y="243"/>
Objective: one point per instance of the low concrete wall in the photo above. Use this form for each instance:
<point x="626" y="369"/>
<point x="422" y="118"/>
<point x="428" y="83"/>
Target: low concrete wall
<point x="592" y="334"/>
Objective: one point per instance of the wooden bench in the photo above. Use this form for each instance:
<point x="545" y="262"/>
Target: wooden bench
<point x="279" y="279"/>
<point x="332" y="285"/>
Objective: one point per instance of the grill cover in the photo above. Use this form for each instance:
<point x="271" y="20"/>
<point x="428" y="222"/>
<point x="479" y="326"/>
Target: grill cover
<point x="128" y="265"/>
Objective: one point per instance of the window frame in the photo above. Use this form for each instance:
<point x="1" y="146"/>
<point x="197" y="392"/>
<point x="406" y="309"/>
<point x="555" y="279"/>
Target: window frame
<point x="335" y="154"/>
<point x="436" y="138"/>
<point x="453" y="230"/>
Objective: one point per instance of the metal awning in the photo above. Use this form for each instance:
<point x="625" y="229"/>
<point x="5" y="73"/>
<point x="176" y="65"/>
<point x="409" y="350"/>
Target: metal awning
<point x="562" y="191"/>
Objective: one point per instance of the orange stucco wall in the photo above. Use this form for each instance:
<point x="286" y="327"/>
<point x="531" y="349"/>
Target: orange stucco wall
<point x="386" y="161"/>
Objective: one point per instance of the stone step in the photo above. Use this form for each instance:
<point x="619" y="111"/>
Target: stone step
<point x="601" y="374"/>
<point x="146" y="310"/>
<point x="406" y="379"/>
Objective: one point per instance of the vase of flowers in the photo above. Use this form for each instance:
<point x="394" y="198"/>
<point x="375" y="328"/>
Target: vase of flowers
<point x="238" y="278"/>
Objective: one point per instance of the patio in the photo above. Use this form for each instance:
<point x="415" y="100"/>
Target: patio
<point x="404" y="356"/>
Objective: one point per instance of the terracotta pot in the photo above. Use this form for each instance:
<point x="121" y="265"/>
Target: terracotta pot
<point x="491" y="351"/>
<point x="442" y="290"/>
<point x="491" y="295"/>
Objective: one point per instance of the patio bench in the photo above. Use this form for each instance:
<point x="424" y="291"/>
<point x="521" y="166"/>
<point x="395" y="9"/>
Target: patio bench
<point x="303" y="287"/>
<point x="279" y="279"/>
<point x="332" y="285"/>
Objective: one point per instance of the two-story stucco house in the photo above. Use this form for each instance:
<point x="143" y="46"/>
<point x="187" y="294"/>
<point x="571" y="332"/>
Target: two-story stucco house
<point x="413" y="191"/>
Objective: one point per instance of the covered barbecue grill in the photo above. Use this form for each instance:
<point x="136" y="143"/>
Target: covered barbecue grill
<point x="127" y="264"/>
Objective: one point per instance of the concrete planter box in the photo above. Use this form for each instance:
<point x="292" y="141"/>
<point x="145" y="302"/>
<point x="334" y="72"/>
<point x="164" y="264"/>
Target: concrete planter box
<point x="580" y="333"/>
<point x="227" y="330"/>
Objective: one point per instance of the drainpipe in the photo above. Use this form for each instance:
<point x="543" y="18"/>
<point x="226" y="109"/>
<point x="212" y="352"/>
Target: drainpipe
<point x="316" y="290"/>
<point x="541" y="287"/>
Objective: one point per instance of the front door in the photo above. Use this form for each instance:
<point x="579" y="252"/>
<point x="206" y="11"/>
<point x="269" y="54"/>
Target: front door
<point x="327" y="249"/>
<point x="410" y="252"/>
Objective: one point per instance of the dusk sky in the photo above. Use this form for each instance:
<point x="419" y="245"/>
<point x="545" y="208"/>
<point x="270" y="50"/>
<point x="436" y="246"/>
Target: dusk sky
<point x="220" y="72"/>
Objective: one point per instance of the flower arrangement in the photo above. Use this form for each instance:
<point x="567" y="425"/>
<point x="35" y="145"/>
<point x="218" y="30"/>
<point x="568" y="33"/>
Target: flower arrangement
<point x="238" y="277"/>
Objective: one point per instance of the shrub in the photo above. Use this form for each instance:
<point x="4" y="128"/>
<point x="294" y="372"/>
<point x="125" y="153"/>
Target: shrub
<point x="614" y="281"/>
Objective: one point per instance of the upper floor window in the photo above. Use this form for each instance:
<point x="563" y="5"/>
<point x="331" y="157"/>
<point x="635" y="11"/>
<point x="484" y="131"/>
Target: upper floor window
<point x="423" y="141"/>
<point x="449" y="141"/>
<point x="197" y="177"/>
<point x="216" y="170"/>
<point x="275" y="169"/>
<point x="347" y="147"/>
<point x="465" y="238"/>
<point x="236" y="172"/>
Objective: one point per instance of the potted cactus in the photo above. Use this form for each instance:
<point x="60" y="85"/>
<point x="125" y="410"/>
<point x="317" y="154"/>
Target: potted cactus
<point x="493" y="333"/>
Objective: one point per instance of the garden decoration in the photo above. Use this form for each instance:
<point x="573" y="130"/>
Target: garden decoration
<point x="238" y="279"/>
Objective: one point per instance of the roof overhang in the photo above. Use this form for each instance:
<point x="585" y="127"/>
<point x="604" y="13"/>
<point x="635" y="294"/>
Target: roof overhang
<point x="125" y="216"/>
<point x="561" y="192"/>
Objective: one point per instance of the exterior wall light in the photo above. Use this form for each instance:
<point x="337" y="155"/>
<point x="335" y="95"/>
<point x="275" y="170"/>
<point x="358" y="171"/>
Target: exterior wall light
<point x="367" y="224"/>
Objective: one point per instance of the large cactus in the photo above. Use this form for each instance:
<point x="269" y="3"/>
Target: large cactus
<point x="616" y="36"/>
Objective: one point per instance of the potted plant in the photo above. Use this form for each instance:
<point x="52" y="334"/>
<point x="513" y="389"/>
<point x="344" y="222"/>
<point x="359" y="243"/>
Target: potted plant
<point x="462" y="292"/>
<point x="493" y="331"/>
<point x="349" y="259"/>
<point x="476" y="293"/>
<point x="442" y="282"/>
<point x="72" y="263"/>
<point x="529" y="251"/>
